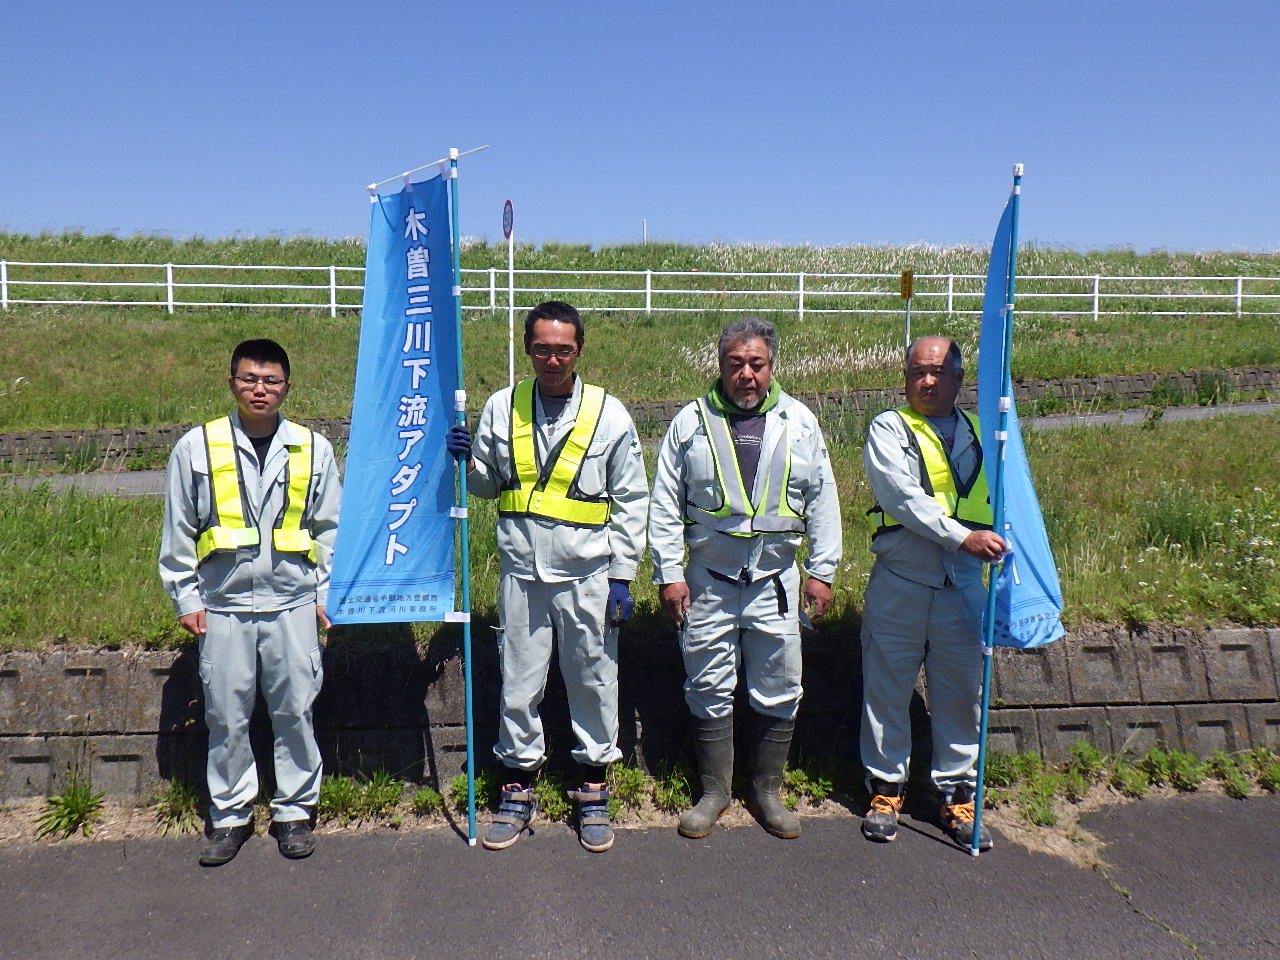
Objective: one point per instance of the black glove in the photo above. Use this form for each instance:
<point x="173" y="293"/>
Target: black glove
<point x="457" y="440"/>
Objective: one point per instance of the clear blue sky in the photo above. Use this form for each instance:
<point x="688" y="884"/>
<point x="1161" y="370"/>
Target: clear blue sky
<point x="1140" y="124"/>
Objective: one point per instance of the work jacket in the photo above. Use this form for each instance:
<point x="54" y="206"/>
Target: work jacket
<point x="534" y="547"/>
<point x="256" y="577"/>
<point x="686" y="481"/>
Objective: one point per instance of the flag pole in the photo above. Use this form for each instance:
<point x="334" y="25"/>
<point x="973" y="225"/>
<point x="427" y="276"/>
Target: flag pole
<point x="997" y="501"/>
<point x="460" y="406"/>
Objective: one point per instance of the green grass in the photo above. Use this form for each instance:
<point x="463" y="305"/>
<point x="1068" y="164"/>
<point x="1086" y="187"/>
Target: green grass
<point x="178" y="807"/>
<point x="147" y="368"/>
<point x="73" y="810"/>
<point x="86" y="367"/>
<point x="1118" y="502"/>
<point x="1037" y="788"/>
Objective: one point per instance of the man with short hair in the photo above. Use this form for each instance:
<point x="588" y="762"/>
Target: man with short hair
<point x="931" y="534"/>
<point x="742" y="478"/>
<point x="250" y="519"/>
<point x="563" y="460"/>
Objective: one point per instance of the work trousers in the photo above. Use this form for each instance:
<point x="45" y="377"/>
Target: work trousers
<point x="570" y="615"/>
<point x="281" y="651"/>
<point x="905" y="624"/>
<point x="753" y="625"/>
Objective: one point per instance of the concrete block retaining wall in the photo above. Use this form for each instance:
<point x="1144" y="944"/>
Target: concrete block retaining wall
<point x="132" y="718"/>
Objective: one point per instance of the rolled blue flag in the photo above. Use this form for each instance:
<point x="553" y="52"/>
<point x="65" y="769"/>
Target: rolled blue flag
<point x="1028" y="607"/>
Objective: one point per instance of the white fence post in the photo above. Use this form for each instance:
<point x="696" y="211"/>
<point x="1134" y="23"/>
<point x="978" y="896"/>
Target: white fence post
<point x="1239" y="294"/>
<point x="648" y="290"/>
<point x="800" y="294"/>
<point x="4" y="284"/>
<point x="168" y="284"/>
<point x="493" y="289"/>
<point x="333" y="290"/>
<point x="951" y="292"/>
<point x="1097" y="285"/>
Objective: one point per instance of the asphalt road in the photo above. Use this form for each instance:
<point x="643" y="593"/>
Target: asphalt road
<point x="1189" y="878"/>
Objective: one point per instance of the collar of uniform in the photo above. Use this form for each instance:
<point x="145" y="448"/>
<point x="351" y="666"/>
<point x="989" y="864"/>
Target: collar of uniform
<point x="721" y="403"/>
<point x="570" y="410"/>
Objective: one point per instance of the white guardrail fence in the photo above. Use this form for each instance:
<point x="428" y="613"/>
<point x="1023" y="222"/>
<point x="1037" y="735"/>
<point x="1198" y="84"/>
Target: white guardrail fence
<point x="338" y="289"/>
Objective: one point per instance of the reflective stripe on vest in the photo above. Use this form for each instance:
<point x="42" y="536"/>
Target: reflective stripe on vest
<point x="548" y="495"/>
<point x="230" y="529"/>
<point x="966" y="500"/>
<point x="737" y="515"/>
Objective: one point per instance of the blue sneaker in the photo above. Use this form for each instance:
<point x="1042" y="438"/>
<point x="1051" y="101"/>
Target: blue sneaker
<point x="513" y="816"/>
<point x="595" y="831"/>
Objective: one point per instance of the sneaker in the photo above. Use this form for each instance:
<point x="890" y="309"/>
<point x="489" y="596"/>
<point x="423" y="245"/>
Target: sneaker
<point x="881" y="822"/>
<point x="513" y="816"/>
<point x="295" y="839"/>
<point x="595" y="831"/>
<point x="224" y="843"/>
<point x="957" y="816"/>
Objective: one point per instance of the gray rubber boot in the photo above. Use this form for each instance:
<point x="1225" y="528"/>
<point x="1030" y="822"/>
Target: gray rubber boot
<point x="713" y="747"/>
<point x="772" y="740"/>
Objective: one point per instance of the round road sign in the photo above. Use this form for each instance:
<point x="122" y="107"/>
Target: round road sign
<point x="508" y="217"/>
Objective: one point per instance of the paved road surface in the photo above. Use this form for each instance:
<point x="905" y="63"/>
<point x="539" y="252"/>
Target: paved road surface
<point x="1200" y="874"/>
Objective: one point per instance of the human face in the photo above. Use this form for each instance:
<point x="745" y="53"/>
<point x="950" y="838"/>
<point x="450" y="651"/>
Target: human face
<point x="258" y="403"/>
<point x="554" y="373"/>
<point x="932" y="383"/>
<point x="746" y="373"/>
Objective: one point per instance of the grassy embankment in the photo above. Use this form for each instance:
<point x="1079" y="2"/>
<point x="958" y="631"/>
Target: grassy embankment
<point x="1173" y="521"/>
<point x="86" y="367"/>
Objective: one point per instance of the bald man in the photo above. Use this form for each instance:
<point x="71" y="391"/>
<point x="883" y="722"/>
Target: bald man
<point x="931" y="535"/>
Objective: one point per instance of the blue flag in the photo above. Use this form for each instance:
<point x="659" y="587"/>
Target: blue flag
<point x="1028" y="608"/>
<point x="393" y="562"/>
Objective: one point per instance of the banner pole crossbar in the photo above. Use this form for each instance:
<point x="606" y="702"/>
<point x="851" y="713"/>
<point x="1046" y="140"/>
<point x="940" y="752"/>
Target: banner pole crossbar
<point x="433" y="163"/>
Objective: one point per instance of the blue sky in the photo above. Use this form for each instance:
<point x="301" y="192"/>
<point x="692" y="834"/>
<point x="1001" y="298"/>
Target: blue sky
<point x="1140" y="124"/>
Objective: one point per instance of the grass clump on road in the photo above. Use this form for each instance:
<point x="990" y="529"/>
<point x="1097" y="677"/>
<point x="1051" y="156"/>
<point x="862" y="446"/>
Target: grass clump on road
<point x="75" y="809"/>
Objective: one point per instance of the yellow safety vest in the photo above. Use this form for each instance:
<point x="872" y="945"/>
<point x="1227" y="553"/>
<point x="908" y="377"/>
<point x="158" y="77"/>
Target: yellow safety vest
<point x="964" y="499"/>
<point x="737" y="515"/>
<point x="547" y="495"/>
<point x="228" y="527"/>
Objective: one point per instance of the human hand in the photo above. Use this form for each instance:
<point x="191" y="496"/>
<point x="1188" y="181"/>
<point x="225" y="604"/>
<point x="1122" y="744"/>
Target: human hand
<point x="457" y="440"/>
<point x="986" y="545"/>
<point x="193" y="623"/>
<point x="675" y="600"/>
<point x="620" y="605"/>
<point x="322" y="616"/>
<point x="817" y="598"/>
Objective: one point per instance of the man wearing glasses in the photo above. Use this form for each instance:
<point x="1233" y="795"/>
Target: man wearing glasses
<point x="564" y="462"/>
<point x="250" y="518"/>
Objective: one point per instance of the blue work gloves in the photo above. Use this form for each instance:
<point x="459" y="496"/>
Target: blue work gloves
<point x="620" y="606"/>
<point x="457" y="440"/>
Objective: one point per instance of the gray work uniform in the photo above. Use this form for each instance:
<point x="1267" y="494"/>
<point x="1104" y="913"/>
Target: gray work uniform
<point x="924" y="604"/>
<point x="744" y="591"/>
<point x="555" y="578"/>
<point x="260" y="613"/>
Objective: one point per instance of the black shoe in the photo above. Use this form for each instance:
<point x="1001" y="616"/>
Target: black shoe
<point x="295" y="839"/>
<point x="881" y="822"/>
<point x="224" y="843"/>
<point x="957" y="814"/>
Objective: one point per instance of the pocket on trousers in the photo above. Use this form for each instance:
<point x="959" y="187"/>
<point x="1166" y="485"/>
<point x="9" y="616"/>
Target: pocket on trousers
<point x="206" y="670"/>
<point x="317" y="664"/>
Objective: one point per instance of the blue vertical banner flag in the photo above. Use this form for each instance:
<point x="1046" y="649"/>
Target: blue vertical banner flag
<point x="1028" y="599"/>
<point x="394" y="558"/>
